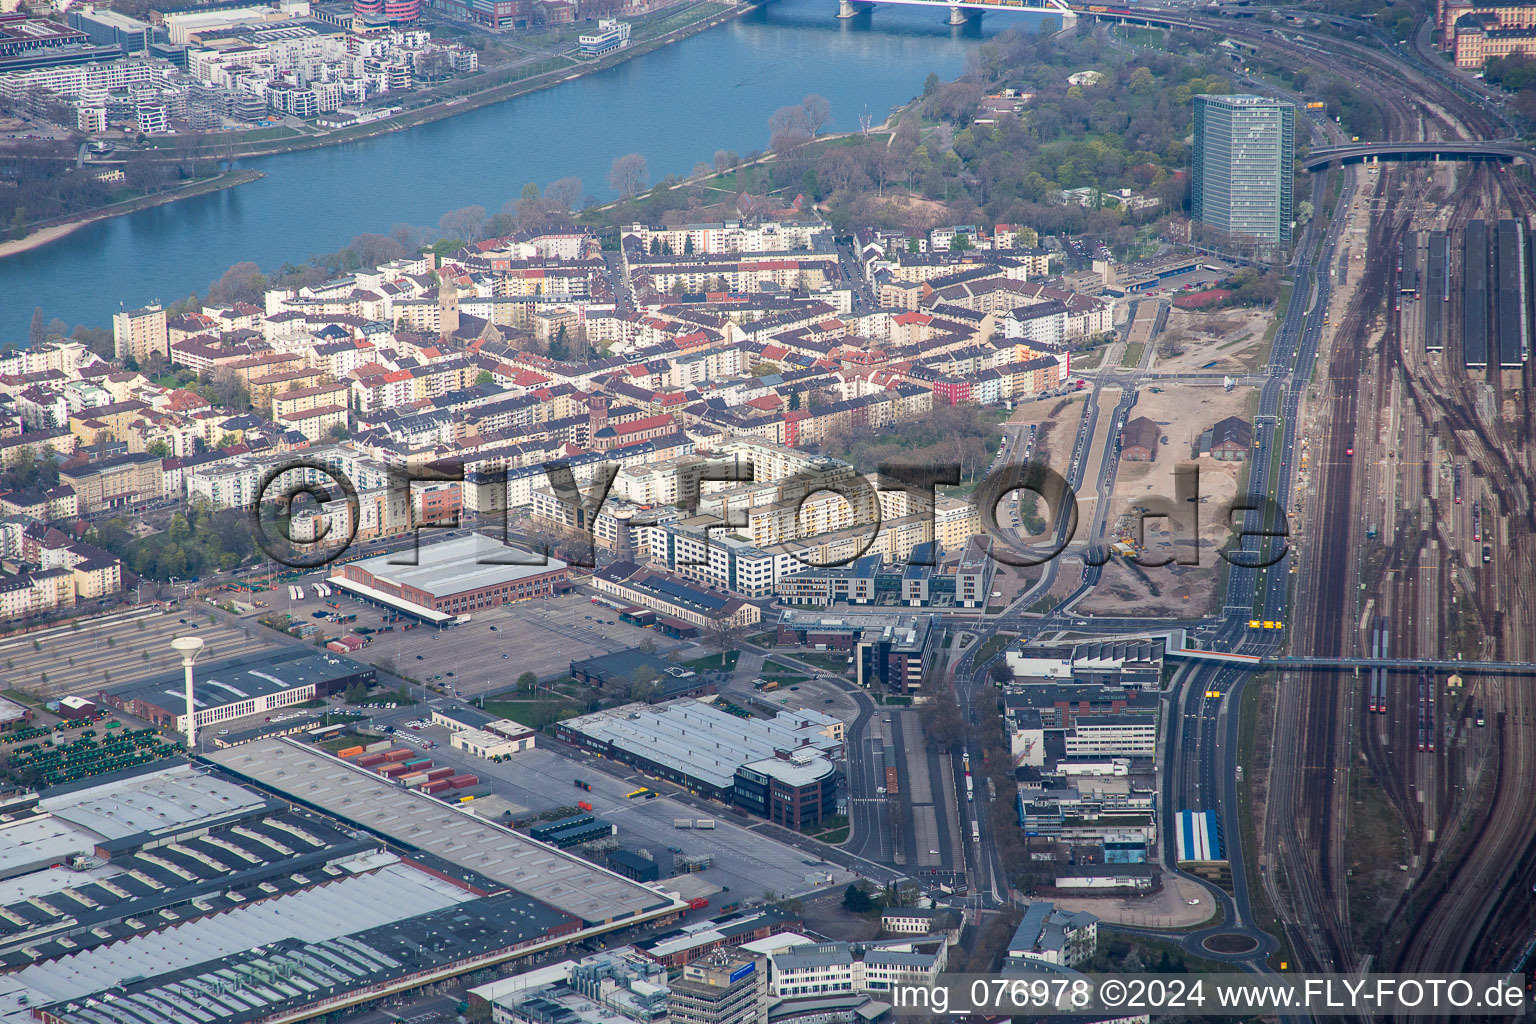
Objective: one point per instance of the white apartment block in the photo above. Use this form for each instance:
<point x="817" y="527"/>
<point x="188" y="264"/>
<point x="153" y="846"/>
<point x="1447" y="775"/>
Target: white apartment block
<point x="712" y="239"/>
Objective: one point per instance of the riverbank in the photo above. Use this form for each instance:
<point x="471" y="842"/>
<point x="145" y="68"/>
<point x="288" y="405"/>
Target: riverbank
<point x="225" y="146"/>
<point x="52" y="231"/>
<point x="714" y="13"/>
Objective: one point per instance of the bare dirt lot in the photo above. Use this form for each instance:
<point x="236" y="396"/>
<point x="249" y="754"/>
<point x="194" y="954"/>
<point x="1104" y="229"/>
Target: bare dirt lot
<point x="1230" y="339"/>
<point x="1182" y="414"/>
<point x="1058" y="418"/>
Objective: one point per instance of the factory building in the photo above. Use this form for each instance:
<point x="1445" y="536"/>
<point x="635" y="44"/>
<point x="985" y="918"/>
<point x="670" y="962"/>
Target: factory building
<point x="273" y="882"/>
<point x="239" y="687"/>
<point x="780" y="769"/>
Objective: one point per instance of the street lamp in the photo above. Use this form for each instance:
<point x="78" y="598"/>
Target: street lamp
<point x="189" y="647"/>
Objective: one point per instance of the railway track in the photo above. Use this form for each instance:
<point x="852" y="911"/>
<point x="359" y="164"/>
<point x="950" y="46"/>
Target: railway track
<point x="1475" y="892"/>
<point x="1311" y="849"/>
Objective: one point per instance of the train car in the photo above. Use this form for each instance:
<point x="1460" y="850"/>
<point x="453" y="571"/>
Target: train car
<point x="1456" y="484"/>
<point x="1477" y="521"/>
<point x="1426" y="711"/>
<point x="1376" y="684"/>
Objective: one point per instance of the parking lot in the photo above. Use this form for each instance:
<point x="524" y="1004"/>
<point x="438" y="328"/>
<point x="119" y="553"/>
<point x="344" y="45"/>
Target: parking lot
<point x="90" y="655"/>
<point x="746" y="862"/>
<point x="486" y="654"/>
<point x="816" y="692"/>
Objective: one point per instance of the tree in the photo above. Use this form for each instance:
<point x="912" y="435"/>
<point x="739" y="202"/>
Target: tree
<point x="817" y="112"/>
<point x="788" y="119"/>
<point x="724" y="160"/>
<point x="466" y="223"/>
<point x="36" y="334"/>
<point x="242" y="282"/>
<point x="526" y="683"/>
<point x="856" y="899"/>
<point x="563" y="194"/>
<point x="627" y="175"/>
<point x="644" y="684"/>
<point x="485" y="377"/>
<point x="98" y="339"/>
<point x="356" y="693"/>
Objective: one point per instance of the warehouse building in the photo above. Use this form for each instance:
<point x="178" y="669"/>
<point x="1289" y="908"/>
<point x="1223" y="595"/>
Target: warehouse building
<point x="179" y="893"/>
<point x="454" y="577"/>
<point x="781" y="769"/>
<point x="621" y="668"/>
<point x="599" y="899"/>
<point x="633" y="865"/>
<point x="238" y="687"/>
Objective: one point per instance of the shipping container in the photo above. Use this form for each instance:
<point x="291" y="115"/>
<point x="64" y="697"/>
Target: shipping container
<point x="369" y="760"/>
<point x="583" y="785"/>
<point x="682" y="823"/>
<point x="698" y="903"/>
<point x="399" y="755"/>
<point x="374" y="748"/>
<point x="464" y="781"/>
<point x="892" y="781"/>
<point x="584" y="805"/>
<point x="394" y="771"/>
<point x="439" y="786"/>
<point x="349" y="752"/>
<point x="413" y="780"/>
<point x="704" y="823"/>
<point x="440" y="773"/>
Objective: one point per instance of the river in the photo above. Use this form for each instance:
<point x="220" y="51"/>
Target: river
<point x="676" y="106"/>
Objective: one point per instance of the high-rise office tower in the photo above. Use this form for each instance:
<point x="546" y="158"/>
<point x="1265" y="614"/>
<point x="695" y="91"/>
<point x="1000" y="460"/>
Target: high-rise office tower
<point x="1245" y="152"/>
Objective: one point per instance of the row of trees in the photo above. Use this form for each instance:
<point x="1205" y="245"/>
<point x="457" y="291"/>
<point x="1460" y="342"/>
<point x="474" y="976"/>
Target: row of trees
<point x="199" y="541"/>
<point x="1517" y="74"/>
<point x="949" y="435"/>
<point x="42" y="181"/>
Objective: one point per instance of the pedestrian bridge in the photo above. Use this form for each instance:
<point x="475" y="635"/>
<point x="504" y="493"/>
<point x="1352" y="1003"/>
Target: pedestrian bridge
<point x="1269" y="662"/>
<point x="1360" y="152"/>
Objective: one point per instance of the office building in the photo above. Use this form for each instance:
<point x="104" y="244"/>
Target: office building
<point x="1243" y="166"/>
<point x="1061" y="937"/>
<point x="729" y="986"/>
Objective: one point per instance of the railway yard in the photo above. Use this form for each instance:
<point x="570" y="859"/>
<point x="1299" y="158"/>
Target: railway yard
<point x="1419" y="466"/>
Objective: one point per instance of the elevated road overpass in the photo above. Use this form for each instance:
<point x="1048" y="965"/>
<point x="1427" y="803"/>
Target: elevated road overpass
<point x="1364" y="152"/>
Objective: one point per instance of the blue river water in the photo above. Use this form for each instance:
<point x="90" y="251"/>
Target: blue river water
<point x="676" y="106"/>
